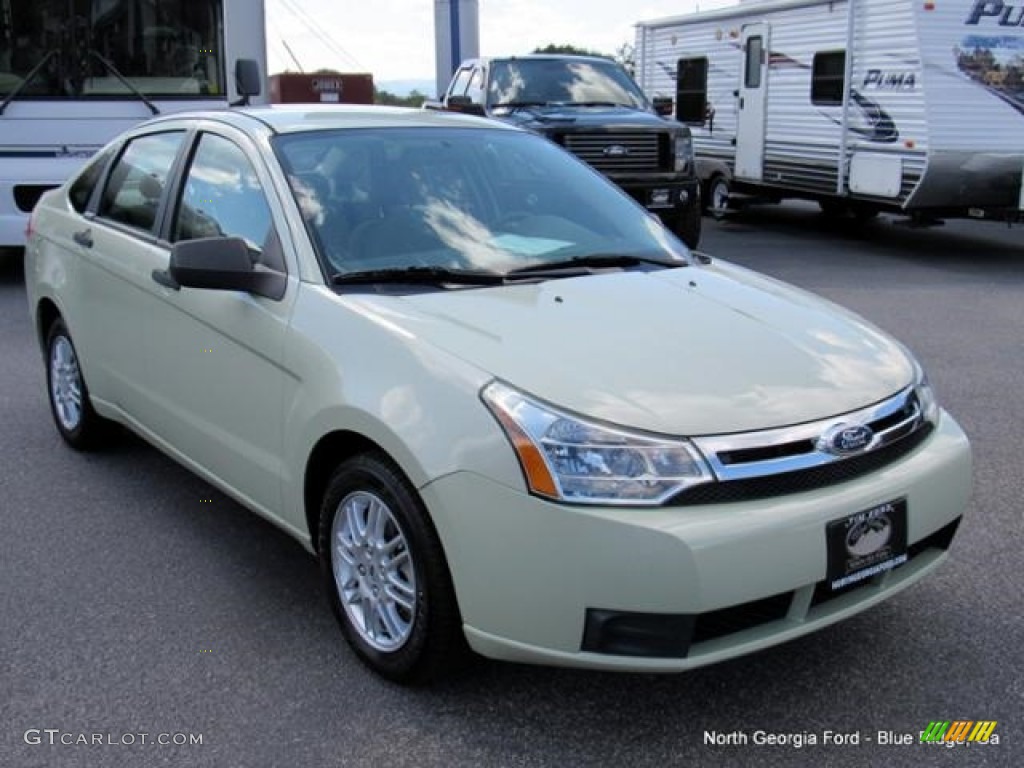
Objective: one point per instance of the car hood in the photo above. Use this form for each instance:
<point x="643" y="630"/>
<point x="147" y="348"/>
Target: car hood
<point x="568" y="118"/>
<point x="687" y="351"/>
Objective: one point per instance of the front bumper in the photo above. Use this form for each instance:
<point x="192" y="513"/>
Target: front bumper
<point x="665" y="195"/>
<point x="746" y="575"/>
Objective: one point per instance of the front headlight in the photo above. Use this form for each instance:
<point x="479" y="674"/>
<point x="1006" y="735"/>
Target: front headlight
<point x="569" y="458"/>
<point x="684" y="153"/>
<point x="925" y="396"/>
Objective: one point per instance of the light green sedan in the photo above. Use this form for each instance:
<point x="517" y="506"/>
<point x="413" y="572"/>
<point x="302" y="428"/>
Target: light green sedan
<point x="504" y="406"/>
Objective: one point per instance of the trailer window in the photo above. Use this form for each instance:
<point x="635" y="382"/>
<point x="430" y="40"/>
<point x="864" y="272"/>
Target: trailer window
<point x="692" y="90"/>
<point x="827" y="76"/>
<point x="755" y="56"/>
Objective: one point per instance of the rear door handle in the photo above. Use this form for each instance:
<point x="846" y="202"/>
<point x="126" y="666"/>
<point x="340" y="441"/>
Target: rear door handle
<point x="83" y="238"/>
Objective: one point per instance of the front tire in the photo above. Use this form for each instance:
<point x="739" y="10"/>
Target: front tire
<point x="687" y="226"/>
<point x="80" y="426"/>
<point x="386" y="574"/>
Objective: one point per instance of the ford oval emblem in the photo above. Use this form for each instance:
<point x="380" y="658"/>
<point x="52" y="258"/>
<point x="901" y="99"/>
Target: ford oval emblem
<point x="615" y="150"/>
<point x="846" y="439"/>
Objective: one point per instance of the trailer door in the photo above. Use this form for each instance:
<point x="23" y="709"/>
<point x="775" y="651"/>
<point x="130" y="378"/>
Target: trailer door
<point x="752" y="92"/>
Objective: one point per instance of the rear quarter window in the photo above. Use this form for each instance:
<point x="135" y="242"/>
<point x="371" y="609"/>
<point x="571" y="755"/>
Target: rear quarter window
<point x="82" y="188"/>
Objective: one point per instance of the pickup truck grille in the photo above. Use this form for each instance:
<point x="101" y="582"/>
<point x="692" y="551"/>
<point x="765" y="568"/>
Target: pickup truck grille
<point x="622" y="151"/>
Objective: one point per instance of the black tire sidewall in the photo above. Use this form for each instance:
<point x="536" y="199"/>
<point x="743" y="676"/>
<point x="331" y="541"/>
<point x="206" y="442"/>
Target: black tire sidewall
<point x="425" y="651"/>
<point x="689" y="226"/>
<point x="716" y="183"/>
<point x="82" y="436"/>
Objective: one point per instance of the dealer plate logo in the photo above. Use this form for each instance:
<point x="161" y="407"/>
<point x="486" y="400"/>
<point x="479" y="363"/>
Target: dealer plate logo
<point x="866" y="537"/>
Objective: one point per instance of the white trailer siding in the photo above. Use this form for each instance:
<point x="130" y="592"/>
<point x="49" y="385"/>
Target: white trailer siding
<point x="802" y="147"/>
<point x="659" y="50"/>
<point x="920" y="128"/>
<point x="973" y="58"/>
<point x="962" y="111"/>
<point x="887" y="72"/>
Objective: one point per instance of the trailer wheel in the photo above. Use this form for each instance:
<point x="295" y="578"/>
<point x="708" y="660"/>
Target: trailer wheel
<point x="716" y="198"/>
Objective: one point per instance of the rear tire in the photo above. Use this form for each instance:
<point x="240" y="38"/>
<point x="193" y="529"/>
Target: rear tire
<point x="386" y="574"/>
<point x="717" y="195"/>
<point x="80" y="426"/>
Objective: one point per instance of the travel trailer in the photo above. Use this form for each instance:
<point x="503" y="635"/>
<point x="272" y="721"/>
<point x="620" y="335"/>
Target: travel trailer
<point x="908" y="106"/>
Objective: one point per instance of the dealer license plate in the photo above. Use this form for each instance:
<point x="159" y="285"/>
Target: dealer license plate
<point x="867" y="543"/>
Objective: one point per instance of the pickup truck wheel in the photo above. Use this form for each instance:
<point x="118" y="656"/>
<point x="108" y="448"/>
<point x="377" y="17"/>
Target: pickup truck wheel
<point x="687" y="226"/>
<point x="717" y="195"/>
<point x="386" y="574"/>
<point x="80" y="426"/>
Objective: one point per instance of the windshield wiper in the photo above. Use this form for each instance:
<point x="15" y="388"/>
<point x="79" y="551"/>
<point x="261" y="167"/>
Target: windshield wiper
<point x="109" y="66"/>
<point x="519" y="104"/>
<point x="583" y="265"/>
<point x="597" y="104"/>
<point x="27" y="79"/>
<point x="418" y="275"/>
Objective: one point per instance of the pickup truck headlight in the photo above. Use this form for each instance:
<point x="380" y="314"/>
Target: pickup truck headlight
<point x="684" y="154"/>
<point x="570" y="458"/>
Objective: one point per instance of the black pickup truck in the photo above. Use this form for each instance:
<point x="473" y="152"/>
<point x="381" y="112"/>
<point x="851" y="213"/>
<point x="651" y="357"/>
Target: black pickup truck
<point x="591" y="107"/>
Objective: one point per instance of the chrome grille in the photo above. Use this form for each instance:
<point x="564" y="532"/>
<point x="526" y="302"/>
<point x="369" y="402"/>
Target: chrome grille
<point x="622" y="151"/>
<point x="793" y="459"/>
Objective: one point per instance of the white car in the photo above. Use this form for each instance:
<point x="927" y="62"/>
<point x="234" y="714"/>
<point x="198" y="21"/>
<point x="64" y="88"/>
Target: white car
<point x="503" y="405"/>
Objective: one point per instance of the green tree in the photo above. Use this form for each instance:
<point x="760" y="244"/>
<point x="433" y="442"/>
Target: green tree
<point x="414" y="99"/>
<point x="569" y="49"/>
<point x="625" y="54"/>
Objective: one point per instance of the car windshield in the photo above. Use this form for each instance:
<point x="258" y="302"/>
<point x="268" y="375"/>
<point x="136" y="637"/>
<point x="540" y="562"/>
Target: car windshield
<point x="473" y="200"/>
<point x="562" y="81"/>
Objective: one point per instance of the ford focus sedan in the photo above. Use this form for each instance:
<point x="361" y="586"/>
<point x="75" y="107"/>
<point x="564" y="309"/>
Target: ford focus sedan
<point x="505" y="407"/>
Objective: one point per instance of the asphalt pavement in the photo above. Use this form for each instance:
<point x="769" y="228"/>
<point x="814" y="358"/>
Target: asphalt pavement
<point x="139" y="605"/>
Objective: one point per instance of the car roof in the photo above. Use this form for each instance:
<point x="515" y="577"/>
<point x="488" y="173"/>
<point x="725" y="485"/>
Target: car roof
<point x="548" y="56"/>
<point x="293" y="118"/>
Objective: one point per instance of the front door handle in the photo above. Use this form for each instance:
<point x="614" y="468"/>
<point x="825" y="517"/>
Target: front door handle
<point x="83" y="238"/>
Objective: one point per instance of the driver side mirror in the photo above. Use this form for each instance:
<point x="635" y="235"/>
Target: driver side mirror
<point x="662" y="105"/>
<point x="463" y="104"/>
<point x="223" y="263"/>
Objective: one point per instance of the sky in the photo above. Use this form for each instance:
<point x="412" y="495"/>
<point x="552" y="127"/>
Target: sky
<point x="394" y="39"/>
